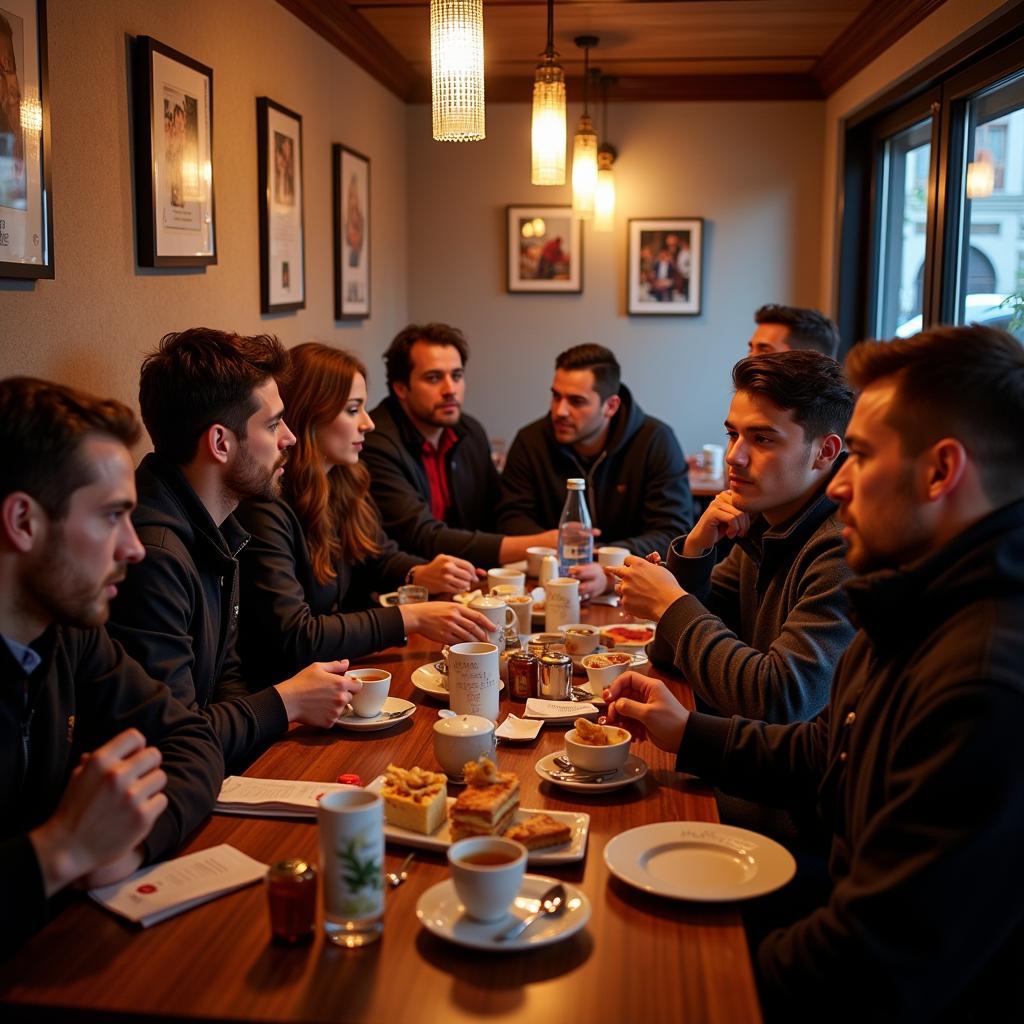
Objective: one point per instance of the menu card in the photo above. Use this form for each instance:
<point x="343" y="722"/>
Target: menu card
<point x="558" y="709"/>
<point x="272" y="798"/>
<point x="163" y="890"/>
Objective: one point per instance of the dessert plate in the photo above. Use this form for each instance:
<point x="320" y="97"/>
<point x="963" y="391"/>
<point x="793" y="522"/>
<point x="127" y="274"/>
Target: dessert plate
<point x="442" y="838"/>
<point x="395" y="710"/>
<point x="632" y="771"/>
<point x="432" y="683"/>
<point x="622" y="643"/>
<point x="699" y="860"/>
<point x="441" y="913"/>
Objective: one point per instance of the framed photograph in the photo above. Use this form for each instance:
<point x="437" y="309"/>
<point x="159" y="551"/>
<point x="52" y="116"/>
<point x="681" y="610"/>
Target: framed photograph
<point x="545" y="249"/>
<point x="664" y="266"/>
<point x="173" y="142"/>
<point x="282" y="235"/>
<point x="351" y="234"/>
<point x="26" y="203"/>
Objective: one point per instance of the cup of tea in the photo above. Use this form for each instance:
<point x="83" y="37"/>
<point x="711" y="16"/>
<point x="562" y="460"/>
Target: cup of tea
<point x="370" y="699"/>
<point x="487" y="872"/>
<point x="606" y="757"/>
<point x="580" y="638"/>
<point x="506" y="577"/>
<point x="461" y="739"/>
<point x="522" y="605"/>
<point x="561" y="602"/>
<point x="610" y="555"/>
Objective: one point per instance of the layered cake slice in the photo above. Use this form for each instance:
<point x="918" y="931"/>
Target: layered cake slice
<point x="540" y="832"/>
<point x="414" y="798"/>
<point x="486" y="806"/>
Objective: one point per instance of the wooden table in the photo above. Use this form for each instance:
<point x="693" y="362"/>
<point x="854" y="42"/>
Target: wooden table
<point x="640" y="958"/>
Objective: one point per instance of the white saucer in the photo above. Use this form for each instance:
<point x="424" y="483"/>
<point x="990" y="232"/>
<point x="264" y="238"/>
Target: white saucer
<point x="441" y="913"/>
<point x="699" y="860"/>
<point x="632" y="771"/>
<point x="353" y="721"/>
<point x="432" y="683"/>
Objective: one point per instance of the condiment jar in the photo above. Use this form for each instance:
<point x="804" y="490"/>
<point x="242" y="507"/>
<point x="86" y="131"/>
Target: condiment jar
<point x="554" y="680"/>
<point x="291" y="894"/>
<point x="523" y="668"/>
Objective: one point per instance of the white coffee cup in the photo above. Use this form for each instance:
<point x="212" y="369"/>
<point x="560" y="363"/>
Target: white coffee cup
<point x="512" y="577"/>
<point x="714" y="459"/>
<point x="461" y="739"/>
<point x="473" y="679"/>
<point x="522" y="605"/>
<point x="499" y="613"/>
<point x="611" y="555"/>
<point x="370" y="699"/>
<point x="351" y="826"/>
<point x="561" y="602"/>
<point x="488" y="873"/>
<point x="534" y="557"/>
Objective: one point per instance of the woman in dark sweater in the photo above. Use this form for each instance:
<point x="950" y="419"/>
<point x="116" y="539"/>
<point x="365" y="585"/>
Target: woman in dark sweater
<point x="318" y="553"/>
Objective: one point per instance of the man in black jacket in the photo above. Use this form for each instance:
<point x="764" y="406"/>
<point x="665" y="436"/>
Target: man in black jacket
<point x="637" y="491"/>
<point x="210" y="402"/>
<point x="433" y="478"/>
<point x="101" y="769"/>
<point x="916" y="767"/>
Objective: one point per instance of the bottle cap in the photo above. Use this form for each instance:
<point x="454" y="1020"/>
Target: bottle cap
<point x="576" y="483"/>
<point x="350" y="779"/>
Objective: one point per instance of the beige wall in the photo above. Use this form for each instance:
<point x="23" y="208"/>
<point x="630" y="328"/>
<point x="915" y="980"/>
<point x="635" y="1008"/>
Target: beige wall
<point x="92" y="323"/>
<point x="752" y="170"/>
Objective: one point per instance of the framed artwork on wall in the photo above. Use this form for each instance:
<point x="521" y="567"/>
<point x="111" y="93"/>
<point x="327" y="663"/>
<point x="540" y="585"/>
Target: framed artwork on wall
<point x="351" y="234"/>
<point x="544" y="249"/>
<point x="173" y="145"/>
<point x="26" y="203"/>
<point x="282" y="235"/>
<point x="664" y="266"/>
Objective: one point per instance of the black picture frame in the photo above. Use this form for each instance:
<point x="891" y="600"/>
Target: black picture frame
<point x="352" y="233"/>
<point x="281" y="207"/>
<point x="26" y="195"/>
<point x="175" y="218"/>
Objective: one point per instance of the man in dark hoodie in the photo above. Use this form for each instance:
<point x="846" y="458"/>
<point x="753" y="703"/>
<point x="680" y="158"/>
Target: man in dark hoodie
<point x="916" y="767"/>
<point x="637" y="491"/>
<point x="210" y="402"/>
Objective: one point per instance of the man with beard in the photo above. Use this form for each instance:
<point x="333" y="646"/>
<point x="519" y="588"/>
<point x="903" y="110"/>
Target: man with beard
<point x="101" y="770"/>
<point x="210" y="402"/>
<point x="433" y="478"/>
<point x="916" y="767"/>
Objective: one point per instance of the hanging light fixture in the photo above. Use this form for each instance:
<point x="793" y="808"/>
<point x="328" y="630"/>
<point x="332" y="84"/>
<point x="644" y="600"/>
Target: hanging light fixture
<point x="549" y="114"/>
<point x="457" y="69"/>
<point x="584" y="145"/>
<point x="604" y="196"/>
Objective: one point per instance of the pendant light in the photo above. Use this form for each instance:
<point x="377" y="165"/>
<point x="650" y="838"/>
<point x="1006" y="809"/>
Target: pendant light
<point x="604" y="196"/>
<point x="548" y="132"/>
<point x="584" y="145"/>
<point x="457" y="69"/>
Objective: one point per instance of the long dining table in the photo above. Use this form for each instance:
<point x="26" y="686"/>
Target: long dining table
<point x="640" y="958"/>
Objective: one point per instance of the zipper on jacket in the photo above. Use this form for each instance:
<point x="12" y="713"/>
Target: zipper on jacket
<point x="26" y="735"/>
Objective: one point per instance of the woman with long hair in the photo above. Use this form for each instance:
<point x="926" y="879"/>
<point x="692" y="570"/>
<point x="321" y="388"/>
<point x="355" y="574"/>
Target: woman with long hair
<point x="318" y="553"/>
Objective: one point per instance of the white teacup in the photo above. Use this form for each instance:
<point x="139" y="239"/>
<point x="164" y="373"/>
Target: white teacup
<point x="499" y="613"/>
<point x="609" y="757"/>
<point x="580" y="638"/>
<point x="370" y="699"/>
<point x="461" y="739"/>
<point x="561" y="602"/>
<point x="487" y="872"/>
<point x="534" y="557"/>
<point x="604" y="669"/>
<point x="506" y="577"/>
<point x="611" y="555"/>
<point x="522" y="605"/>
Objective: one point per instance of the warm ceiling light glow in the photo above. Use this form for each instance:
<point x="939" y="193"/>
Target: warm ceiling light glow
<point x="548" y="128"/>
<point x="981" y="179"/>
<point x="457" y="69"/>
<point x="584" y="169"/>
<point x="604" y="199"/>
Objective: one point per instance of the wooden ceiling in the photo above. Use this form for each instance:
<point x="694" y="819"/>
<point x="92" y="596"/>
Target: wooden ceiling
<point x="656" y="49"/>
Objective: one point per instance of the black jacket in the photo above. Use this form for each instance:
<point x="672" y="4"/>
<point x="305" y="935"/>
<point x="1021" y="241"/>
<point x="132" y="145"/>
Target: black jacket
<point x="401" y="490"/>
<point x="177" y="611"/>
<point x="916" y="769"/>
<point x="288" y="618"/>
<point x="83" y="693"/>
<point x="638" y="490"/>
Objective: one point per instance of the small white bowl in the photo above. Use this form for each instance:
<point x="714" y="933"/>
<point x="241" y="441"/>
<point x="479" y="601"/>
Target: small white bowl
<point x="580" y="638"/>
<point x="609" y="758"/>
<point x="602" y="676"/>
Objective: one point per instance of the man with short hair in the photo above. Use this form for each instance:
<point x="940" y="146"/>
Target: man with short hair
<point x="637" y="491"/>
<point x="432" y="475"/>
<point x="101" y="769"/>
<point x="759" y="634"/>
<point x="784" y="328"/>
<point x="210" y="402"/>
<point x="916" y="768"/>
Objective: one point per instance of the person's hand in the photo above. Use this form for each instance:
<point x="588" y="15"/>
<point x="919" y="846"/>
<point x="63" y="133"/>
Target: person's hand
<point x="319" y="693"/>
<point x="114" y="871"/>
<point x="648" y="708"/>
<point x="645" y="588"/>
<point x="592" y="579"/>
<point x="720" y="519"/>
<point x="447" y="574"/>
<point x="109" y="806"/>
<point x="447" y="622"/>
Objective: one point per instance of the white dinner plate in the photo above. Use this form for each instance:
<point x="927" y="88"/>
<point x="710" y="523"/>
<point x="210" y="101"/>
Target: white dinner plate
<point x="440" y="840"/>
<point x="351" y="720"/>
<point x="441" y="913"/>
<point x="432" y="683"/>
<point x="699" y="860"/>
<point x="632" y="771"/>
